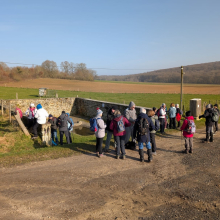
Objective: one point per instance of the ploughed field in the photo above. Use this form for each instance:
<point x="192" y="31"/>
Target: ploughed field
<point x="114" y="87"/>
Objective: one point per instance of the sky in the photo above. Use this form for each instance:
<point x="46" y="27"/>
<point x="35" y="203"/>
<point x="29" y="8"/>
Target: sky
<point x="113" y="37"/>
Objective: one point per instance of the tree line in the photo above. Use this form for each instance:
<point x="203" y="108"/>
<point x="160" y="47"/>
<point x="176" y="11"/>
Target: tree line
<point x="206" y="73"/>
<point x="48" y="69"/>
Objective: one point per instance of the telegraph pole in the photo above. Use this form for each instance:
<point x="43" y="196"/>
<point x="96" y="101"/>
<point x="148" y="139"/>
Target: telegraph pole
<point x="181" y="91"/>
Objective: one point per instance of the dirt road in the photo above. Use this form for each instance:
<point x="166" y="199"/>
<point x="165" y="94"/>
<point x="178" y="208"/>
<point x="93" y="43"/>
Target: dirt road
<point x="173" y="186"/>
<point x="76" y="85"/>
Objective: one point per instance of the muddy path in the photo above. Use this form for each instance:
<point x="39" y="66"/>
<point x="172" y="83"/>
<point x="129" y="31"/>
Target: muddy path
<point x="173" y="186"/>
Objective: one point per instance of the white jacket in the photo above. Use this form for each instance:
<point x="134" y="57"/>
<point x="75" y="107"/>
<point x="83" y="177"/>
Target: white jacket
<point x="41" y="116"/>
<point x="162" y="113"/>
<point x="29" y="113"/>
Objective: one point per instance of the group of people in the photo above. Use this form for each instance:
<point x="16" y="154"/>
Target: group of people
<point x="39" y="115"/>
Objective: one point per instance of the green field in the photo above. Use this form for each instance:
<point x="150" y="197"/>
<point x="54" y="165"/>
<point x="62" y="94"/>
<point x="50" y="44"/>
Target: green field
<point x="140" y="99"/>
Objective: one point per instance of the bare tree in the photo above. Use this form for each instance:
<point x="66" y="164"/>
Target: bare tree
<point x="50" y="68"/>
<point x="67" y="67"/>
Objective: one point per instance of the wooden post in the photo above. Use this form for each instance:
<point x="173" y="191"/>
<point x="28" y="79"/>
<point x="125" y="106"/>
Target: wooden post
<point x="16" y="95"/>
<point x="10" y="111"/>
<point x="181" y="90"/>
<point x="2" y="107"/>
<point x="56" y="95"/>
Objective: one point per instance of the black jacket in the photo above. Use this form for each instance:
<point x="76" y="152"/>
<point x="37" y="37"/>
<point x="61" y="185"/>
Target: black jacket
<point x="110" y="116"/>
<point x="208" y="116"/>
<point x="143" y="138"/>
<point x="62" y="119"/>
<point x="53" y="122"/>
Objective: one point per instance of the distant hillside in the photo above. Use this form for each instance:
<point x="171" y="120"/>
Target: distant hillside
<point x="205" y="73"/>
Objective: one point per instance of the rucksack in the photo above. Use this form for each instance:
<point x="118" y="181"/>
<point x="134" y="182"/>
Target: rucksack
<point x="93" y="124"/>
<point x="158" y="112"/>
<point x="191" y="127"/>
<point x="143" y="126"/>
<point x="130" y="145"/>
<point x="61" y="122"/>
<point x="215" y="116"/>
<point x="120" y="125"/>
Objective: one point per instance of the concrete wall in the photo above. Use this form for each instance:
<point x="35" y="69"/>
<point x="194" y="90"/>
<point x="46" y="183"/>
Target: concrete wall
<point x="53" y="106"/>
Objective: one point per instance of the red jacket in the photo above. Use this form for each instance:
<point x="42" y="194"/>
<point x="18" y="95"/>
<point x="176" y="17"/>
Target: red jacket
<point x="113" y="125"/>
<point x="184" y="126"/>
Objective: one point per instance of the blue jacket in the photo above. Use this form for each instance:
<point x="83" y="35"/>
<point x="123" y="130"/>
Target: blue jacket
<point x="172" y="112"/>
<point x="143" y="138"/>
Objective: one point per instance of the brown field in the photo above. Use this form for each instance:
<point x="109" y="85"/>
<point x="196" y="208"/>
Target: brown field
<point x="110" y="87"/>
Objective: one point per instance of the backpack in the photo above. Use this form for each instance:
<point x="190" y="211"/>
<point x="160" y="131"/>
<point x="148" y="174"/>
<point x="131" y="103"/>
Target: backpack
<point x="143" y="126"/>
<point x="215" y="116"/>
<point x="61" y="122"/>
<point x="120" y="125"/>
<point x="157" y="125"/>
<point x="158" y="112"/>
<point x="93" y="124"/>
<point x="191" y="127"/>
<point x="130" y="145"/>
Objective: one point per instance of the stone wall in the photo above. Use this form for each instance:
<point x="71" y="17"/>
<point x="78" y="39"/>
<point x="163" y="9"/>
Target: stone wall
<point x="87" y="107"/>
<point x="53" y="106"/>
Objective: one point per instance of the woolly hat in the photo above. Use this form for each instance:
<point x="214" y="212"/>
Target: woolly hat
<point x="208" y="106"/>
<point x="114" y="107"/>
<point x="154" y="109"/>
<point x="50" y="115"/>
<point x="39" y="106"/>
<point x="142" y="110"/>
<point x="99" y="112"/>
<point x="131" y="104"/>
<point x="32" y="104"/>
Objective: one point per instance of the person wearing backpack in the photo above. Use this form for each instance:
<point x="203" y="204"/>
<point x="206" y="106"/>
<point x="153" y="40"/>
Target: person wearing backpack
<point x="162" y="117"/>
<point x="172" y="115"/>
<point x="143" y="126"/>
<point x="130" y="114"/>
<point x="110" y="116"/>
<point x="154" y="118"/>
<point x="187" y="133"/>
<point x="100" y="133"/>
<point x="53" y="121"/>
<point x="216" y="112"/>
<point x="63" y="127"/>
<point x="208" y="114"/>
<point x="118" y="125"/>
<point x="70" y="127"/>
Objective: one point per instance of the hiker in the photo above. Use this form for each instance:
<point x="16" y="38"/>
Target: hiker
<point x="209" y="123"/>
<point x="216" y="122"/>
<point x="154" y="118"/>
<point x="130" y="114"/>
<point x="162" y="114"/>
<point x="178" y="115"/>
<point x="41" y="118"/>
<point x="187" y="133"/>
<point x="53" y="121"/>
<point x="100" y="134"/>
<point x="30" y="113"/>
<point x="110" y="116"/>
<point x="70" y="127"/>
<point x="118" y="125"/>
<point x="63" y="127"/>
<point x="143" y="126"/>
<point x="172" y="115"/>
<point x="19" y="111"/>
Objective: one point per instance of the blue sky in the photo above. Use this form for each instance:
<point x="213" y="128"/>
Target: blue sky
<point x="138" y="35"/>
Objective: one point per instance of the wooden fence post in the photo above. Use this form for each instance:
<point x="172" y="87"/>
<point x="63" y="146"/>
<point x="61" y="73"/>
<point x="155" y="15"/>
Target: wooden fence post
<point x="16" y="95"/>
<point x="2" y="107"/>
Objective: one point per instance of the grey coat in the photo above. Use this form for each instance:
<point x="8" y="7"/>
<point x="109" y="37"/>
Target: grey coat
<point x="101" y="131"/>
<point x="131" y="114"/>
<point x="65" y="119"/>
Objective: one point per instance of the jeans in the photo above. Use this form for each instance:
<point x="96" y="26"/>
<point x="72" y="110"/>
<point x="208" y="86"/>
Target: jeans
<point x="141" y="145"/>
<point x="54" y="135"/>
<point x="99" y="142"/>
<point x="153" y="142"/>
<point x="120" y="143"/>
<point x="173" y="123"/>
<point x="129" y="133"/>
<point x="162" y="124"/>
<point x="108" y="139"/>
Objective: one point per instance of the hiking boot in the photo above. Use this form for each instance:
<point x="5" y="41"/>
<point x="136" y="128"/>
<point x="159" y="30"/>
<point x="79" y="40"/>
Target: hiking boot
<point x="97" y="153"/>
<point x="107" y="150"/>
<point x="117" y="156"/>
<point x="185" y="151"/>
<point x="211" y="137"/>
<point x="34" y="137"/>
<point x="123" y="157"/>
<point x="141" y="153"/>
<point x="101" y="155"/>
<point x="149" y="153"/>
<point x="190" y="151"/>
<point x="154" y="153"/>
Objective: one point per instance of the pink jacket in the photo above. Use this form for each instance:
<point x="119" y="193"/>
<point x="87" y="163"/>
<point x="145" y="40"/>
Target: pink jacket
<point x="113" y="125"/>
<point x="185" y="122"/>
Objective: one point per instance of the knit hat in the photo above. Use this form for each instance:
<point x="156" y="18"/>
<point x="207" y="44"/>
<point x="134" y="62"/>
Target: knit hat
<point x="39" y="106"/>
<point x="208" y="106"/>
<point x="50" y="115"/>
<point x="131" y="104"/>
<point x="154" y="109"/>
<point x="99" y="112"/>
<point x="32" y="104"/>
<point x="114" y="107"/>
<point x="142" y="110"/>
